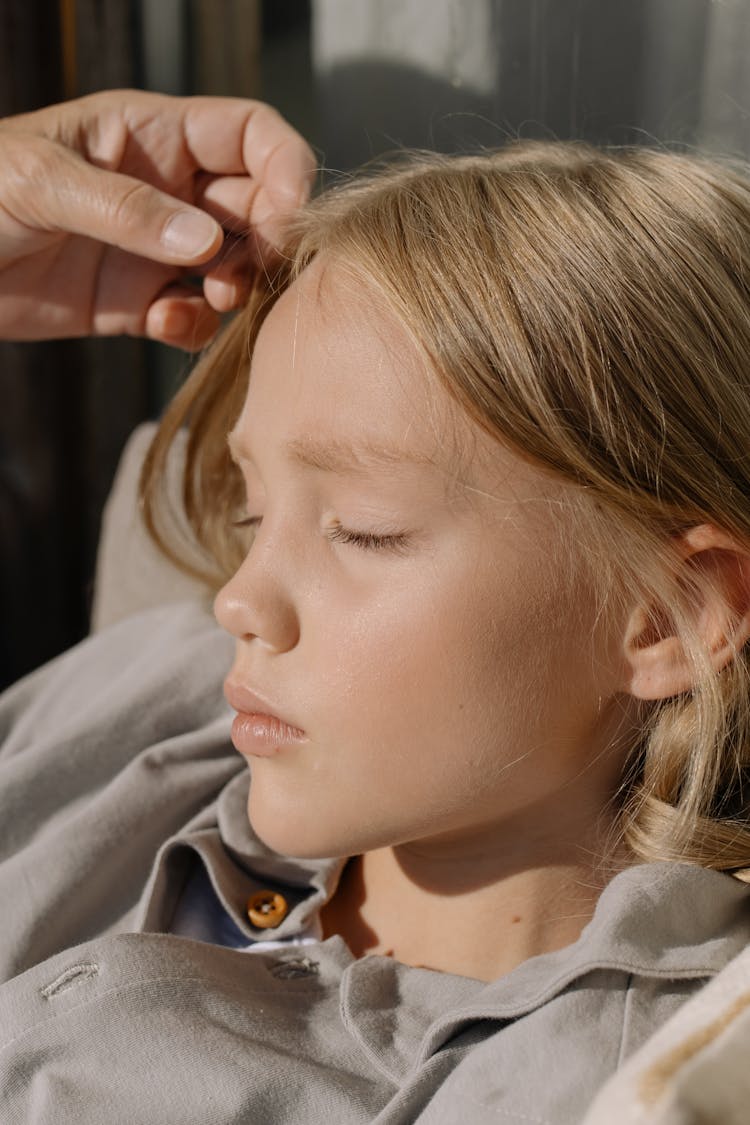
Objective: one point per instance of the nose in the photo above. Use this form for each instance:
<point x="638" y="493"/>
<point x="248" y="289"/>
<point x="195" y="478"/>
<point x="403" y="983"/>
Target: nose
<point x="255" y="605"/>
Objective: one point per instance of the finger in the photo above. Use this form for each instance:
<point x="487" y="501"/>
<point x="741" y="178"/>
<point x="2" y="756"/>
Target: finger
<point x="231" y="135"/>
<point x="270" y="226"/>
<point x="182" y="318"/>
<point x="226" y="293"/>
<point x="227" y="283"/>
<point x="279" y="159"/>
<point x="244" y="208"/>
<point x="228" y="199"/>
<point x="73" y="196"/>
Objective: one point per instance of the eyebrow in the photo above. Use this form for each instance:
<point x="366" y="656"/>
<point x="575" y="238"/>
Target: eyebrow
<point x="355" y="458"/>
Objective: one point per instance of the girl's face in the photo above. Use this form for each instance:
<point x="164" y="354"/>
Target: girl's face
<point x="408" y="604"/>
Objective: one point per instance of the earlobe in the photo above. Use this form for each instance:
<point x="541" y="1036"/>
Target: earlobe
<point x="714" y="572"/>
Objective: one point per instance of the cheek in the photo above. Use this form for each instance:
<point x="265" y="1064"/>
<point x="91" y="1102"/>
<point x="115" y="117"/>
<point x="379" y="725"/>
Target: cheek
<point x="411" y="655"/>
<point x="424" y="705"/>
<point x="421" y="679"/>
<point x="440" y="656"/>
<point x="392" y="688"/>
<point x="451" y="683"/>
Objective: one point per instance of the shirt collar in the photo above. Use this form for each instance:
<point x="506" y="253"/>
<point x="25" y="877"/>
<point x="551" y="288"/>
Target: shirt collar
<point x="674" y="921"/>
<point x="669" y="920"/>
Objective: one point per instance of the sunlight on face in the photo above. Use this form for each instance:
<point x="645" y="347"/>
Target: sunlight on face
<point x="403" y="602"/>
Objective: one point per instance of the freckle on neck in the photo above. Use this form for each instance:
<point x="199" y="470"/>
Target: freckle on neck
<point x="516" y="918"/>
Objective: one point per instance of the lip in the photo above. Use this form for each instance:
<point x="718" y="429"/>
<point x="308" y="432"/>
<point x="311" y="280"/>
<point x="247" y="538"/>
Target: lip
<point x="258" y="728"/>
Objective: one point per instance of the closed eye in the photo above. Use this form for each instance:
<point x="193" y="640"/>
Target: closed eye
<point x="249" y="525"/>
<point x="368" y="540"/>
<point x="365" y="540"/>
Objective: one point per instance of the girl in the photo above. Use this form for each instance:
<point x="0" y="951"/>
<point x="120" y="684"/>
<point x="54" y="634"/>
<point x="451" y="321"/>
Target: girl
<point x="483" y="529"/>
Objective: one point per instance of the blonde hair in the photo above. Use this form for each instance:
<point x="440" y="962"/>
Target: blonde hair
<point x="590" y="309"/>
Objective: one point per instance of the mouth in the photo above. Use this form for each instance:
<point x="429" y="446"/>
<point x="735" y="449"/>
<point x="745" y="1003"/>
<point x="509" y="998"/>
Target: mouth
<point x="258" y="729"/>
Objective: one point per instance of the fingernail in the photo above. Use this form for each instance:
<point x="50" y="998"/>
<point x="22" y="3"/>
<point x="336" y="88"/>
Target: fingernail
<point x="189" y="234"/>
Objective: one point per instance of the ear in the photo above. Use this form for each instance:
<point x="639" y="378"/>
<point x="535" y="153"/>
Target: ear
<point x="715" y="568"/>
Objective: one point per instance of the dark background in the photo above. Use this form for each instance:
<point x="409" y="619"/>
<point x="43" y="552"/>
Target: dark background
<point x="636" y="71"/>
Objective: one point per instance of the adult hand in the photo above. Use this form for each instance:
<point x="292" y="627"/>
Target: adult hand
<point x="111" y="205"/>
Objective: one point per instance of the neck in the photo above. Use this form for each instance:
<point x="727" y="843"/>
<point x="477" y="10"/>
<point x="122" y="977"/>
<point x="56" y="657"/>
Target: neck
<point x="472" y="917"/>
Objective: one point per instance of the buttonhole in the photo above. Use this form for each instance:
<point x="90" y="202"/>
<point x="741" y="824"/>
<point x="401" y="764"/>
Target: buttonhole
<point x="76" y="974"/>
<point x="294" y="967"/>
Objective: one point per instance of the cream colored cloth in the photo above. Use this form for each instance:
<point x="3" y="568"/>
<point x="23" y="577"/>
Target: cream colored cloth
<point x="131" y="573"/>
<point x="696" y="1069"/>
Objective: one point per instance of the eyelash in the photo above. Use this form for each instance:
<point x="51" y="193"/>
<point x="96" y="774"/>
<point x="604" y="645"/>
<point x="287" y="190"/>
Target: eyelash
<point x="365" y="540"/>
<point x="368" y="540"/>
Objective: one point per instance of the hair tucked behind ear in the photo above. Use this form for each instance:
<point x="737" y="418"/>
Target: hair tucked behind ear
<point x="590" y="308"/>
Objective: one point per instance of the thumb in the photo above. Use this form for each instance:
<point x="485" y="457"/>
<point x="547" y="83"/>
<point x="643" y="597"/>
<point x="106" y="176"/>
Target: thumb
<point x="70" y="195"/>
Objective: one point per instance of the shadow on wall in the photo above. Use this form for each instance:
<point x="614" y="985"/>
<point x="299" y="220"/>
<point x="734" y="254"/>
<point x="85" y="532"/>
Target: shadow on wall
<point x="646" y="71"/>
<point x="439" y="116"/>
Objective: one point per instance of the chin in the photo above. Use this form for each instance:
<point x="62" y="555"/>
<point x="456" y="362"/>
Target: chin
<point x="297" y="838"/>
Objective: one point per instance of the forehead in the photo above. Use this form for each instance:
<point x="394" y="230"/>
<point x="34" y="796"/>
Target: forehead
<point x="332" y="340"/>
<point x="341" y="381"/>
<point x="332" y="361"/>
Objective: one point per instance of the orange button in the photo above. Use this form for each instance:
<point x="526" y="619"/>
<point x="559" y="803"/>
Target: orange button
<point x="267" y="909"/>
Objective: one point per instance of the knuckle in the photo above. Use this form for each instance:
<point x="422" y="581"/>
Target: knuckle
<point x="27" y="159"/>
<point x="130" y="206"/>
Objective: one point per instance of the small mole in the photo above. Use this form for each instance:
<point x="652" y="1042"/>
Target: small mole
<point x="516" y="918"/>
